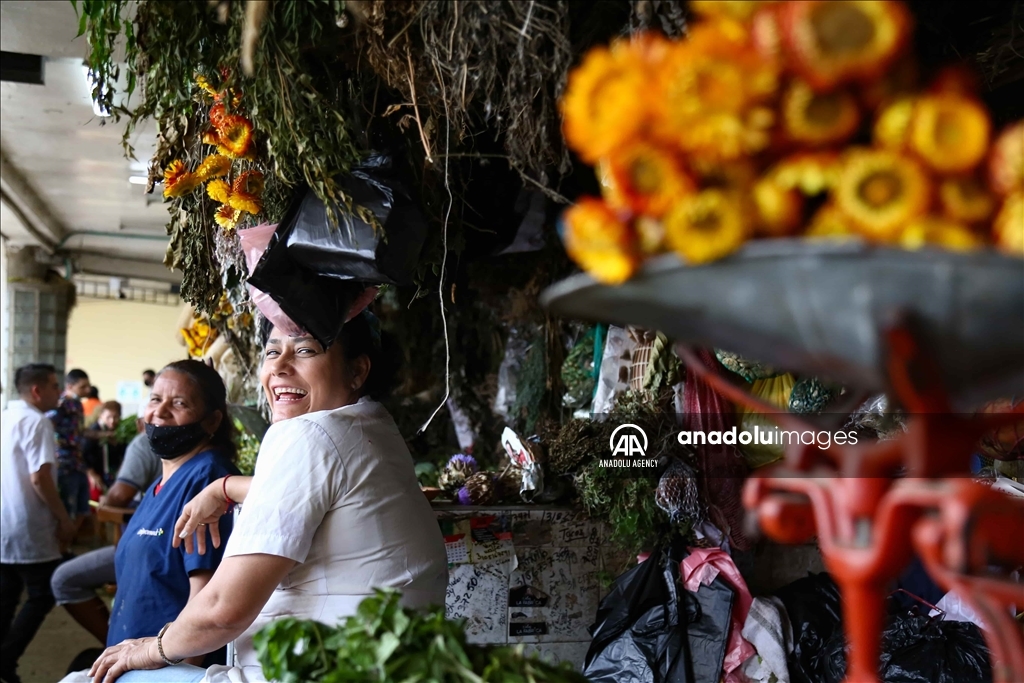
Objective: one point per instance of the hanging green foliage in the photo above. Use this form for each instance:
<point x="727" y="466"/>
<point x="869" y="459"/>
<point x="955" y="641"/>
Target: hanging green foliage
<point x="295" y="96"/>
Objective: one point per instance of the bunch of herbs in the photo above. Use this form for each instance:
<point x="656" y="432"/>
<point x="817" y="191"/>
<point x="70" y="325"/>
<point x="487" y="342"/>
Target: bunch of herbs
<point x="386" y="643"/>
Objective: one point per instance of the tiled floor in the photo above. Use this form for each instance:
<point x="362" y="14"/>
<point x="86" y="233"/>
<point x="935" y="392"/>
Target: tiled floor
<point x="57" y="643"/>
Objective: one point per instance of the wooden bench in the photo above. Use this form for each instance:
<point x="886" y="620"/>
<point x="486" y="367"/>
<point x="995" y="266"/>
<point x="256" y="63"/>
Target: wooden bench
<point x="107" y="515"/>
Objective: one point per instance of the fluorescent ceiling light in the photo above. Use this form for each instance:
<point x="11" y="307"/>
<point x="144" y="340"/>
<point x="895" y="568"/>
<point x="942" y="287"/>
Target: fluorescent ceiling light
<point x="90" y="82"/>
<point x="138" y="179"/>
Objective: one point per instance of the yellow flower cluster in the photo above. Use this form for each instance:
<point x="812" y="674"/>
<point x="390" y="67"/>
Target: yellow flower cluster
<point x="744" y="129"/>
<point x="231" y="135"/>
<point x="199" y="336"/>
<point x="243" y="196"/>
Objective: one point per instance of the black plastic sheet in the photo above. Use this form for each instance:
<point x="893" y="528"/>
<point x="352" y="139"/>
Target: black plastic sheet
<point x="915" y="648"/>
<point x="918" y="649"/>
<point x="815" y="612"/>
<point x="649" y="629"/>
<point x="315" y="269"/>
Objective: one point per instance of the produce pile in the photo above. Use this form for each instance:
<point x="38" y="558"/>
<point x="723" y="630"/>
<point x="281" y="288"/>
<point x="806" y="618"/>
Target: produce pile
<point x="774" y="119"/>
<point x="386" y="643"/>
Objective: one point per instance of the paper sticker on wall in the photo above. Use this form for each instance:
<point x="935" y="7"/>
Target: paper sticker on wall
<point x="527" y="596"/>
<point x="457" y="549"/>
<point x="520" y="624"/>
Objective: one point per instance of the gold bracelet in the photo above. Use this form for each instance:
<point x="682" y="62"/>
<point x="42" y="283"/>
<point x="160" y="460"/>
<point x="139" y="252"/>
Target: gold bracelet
<point x="160" y="647"/>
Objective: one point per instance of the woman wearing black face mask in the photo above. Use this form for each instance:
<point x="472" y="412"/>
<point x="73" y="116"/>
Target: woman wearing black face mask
<point x="188" y="427"/>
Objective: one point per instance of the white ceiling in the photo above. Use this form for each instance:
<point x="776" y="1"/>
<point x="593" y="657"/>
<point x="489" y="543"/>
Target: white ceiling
<point x="64" y="175"/>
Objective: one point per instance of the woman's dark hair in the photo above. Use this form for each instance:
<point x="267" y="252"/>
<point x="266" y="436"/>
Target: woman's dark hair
<point x="358" y="337"/>
<point x="215" y="397"/>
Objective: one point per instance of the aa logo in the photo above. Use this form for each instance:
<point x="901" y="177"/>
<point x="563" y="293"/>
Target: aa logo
<point x="628" y="440"/>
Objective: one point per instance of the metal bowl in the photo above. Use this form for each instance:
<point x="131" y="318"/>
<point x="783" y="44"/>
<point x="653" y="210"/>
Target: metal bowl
<point x="820" y="307"/>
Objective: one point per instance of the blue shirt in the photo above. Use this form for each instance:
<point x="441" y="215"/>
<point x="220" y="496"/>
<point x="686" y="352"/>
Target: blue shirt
<point x="152" y="577"/>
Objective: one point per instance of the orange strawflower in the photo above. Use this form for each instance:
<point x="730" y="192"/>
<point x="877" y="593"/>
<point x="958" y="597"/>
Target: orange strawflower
<point x="651" y="234"/>
<point x="205" y="86"/>
<point x="250" y="182"/>
<point x="831" y="42"/>
<point x="899" y="80"/>
<point x="605" y="102"/>
<point x="830" y="223"/>
<point x="714" y="88"/>
<point x="235" y="137"/>
<point x="246" y="191"/>
<point x="227" y="217"/>
<point x="818" y="119"/>
<point x="213" y="166"/>
<point x="779" y="209"/>
<point x="881" y="191"/>
<point x="218" y="113"/>
<point x="934" y="230"/>
<point x="1009" y="225"/>
<point x="766" y="32"/>
<point x="1006" y="164"/>
<point x="810" y="173"/>
<point x="645" y="179"/>
<point x="737" y="10"/>
<point x="178" y="182"/>
<point x="219" y="191"/>
<point x="245" y="202"/>
<point x="955" y="80"/>
<point x="966" y="199"/>
<point x="738" y="175"/>
<point x="600" y="242"/>
<point x="892" y="125"/>
<point x="708" y="225"/>
<point x="949" y="133"/>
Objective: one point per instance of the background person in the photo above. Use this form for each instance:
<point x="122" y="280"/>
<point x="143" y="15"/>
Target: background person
<point x="333" y="512"/>
<point x="32" y="516"/>
<point x="90" y="404"/>
<point x="73" y="478"/>
<point x="76" y="581"/>
<point x="187" y="425"/>
<point x="101" y="452"/>
<point x="148" y="377"/>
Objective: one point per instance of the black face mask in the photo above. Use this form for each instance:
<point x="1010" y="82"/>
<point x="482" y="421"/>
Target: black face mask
<point x="172" y="441"/>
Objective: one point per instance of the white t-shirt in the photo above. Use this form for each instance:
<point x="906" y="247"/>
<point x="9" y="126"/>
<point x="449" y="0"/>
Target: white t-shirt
<point x="336" y="491"/>
<point x="28" y="530"/>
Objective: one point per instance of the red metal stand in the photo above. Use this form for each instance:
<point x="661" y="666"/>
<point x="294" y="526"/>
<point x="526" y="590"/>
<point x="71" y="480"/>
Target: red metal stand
<point x="868" y="522"/>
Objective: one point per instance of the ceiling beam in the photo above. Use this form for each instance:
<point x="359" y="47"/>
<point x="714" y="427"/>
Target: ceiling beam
<point x="34" y="213"/>
<point x="96" y="264"/>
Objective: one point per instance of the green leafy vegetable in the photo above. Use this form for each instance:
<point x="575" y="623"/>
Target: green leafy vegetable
<point x="386" y="643"/>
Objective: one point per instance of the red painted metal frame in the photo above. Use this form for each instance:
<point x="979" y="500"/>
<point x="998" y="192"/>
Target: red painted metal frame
<point x="869" y="523"/>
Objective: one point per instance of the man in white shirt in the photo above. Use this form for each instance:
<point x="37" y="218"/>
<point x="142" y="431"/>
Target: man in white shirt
<point x="33" y="520"/>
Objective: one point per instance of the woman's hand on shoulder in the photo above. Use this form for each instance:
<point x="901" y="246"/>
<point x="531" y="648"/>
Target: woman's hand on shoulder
<point x="129" y="655"/>
<point x="201" y="514"/>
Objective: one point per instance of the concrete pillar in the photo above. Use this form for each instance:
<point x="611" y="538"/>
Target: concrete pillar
<point x="36" y="307"/>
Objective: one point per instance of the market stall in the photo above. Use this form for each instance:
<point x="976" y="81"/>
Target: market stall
<point x="789" y="216"/>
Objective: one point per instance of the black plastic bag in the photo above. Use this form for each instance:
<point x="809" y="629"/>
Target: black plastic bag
<point x="649" y="629"/>
<point x="915" y="649"/>
<point x="638" y="636"/>
<point x="708" y="631"/>
<point x="815" y="612"/>
<point x="918" y="649"/>
<point x="315" y="270"/>
<point x="353" y="249"/>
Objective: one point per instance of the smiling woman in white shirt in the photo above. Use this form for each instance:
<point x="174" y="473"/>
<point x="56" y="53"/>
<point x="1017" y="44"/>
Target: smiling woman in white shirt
<point x="332" y="512"/>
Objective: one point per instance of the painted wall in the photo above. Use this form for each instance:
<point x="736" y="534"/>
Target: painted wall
<point x="6" y="378"/>
<point x="114" y="341"/>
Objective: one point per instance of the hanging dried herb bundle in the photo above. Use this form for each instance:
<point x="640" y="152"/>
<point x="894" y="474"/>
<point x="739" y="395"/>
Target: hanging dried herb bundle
<point x="477" y="64"/>
<point x="295" y="95"/>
